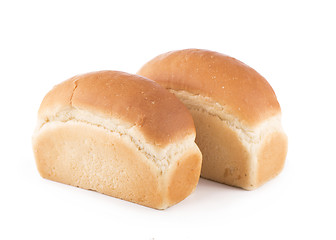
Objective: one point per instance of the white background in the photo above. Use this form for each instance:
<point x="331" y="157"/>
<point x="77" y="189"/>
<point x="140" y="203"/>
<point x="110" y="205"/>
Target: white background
<point x="291" y="43"/>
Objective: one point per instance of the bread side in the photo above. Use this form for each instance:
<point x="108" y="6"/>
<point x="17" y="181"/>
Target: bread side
<point x="91" y="158"/>
<point x="233" y="153"/>
<point x="78" y="148"/>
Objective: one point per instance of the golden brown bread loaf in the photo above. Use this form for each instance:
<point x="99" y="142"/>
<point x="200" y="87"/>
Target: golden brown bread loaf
<point x="235" y="110"/>
<point x="118" y="134"/>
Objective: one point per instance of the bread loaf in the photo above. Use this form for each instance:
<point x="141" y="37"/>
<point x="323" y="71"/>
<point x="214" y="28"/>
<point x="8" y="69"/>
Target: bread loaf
<point x="235" y="110"/>
<point x="118" y="134"/>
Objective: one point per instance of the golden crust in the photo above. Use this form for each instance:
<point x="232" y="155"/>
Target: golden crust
<point x="183" y="176"/>
<point x="158" y="114"/>
<point x="92" y="158"/>
<point x="271" y="157"/>
<point x="244" y="92"/>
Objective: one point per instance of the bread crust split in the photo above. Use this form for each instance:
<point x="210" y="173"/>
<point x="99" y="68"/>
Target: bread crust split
<point x="100" y="131"/>
<point x="235" y="110"/>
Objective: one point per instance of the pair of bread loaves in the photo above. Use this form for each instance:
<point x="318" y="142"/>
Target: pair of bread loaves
<point x="129" y="137"/>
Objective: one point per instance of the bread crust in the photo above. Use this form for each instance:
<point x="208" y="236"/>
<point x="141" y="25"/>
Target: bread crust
<point x="243" y="91"/>
<point x="271" y="157"/>
<point x="159" y="115"/>
<point x="183" y="176"/>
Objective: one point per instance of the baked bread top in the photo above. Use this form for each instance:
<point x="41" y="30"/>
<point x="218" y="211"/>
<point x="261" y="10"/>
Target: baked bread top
<point x="242" y="91"/>
<point x="138" y="101"/>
